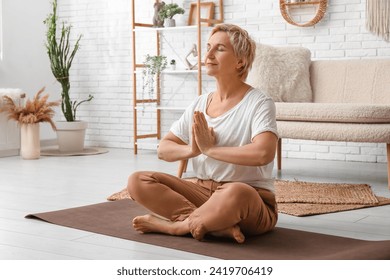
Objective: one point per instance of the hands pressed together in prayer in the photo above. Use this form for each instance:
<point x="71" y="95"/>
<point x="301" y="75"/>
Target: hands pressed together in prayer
<point x="203" y="136"/>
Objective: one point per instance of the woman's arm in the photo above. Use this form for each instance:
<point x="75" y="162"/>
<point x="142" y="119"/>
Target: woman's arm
<point x="172" y="148"/>
<point x="260" y="151"/>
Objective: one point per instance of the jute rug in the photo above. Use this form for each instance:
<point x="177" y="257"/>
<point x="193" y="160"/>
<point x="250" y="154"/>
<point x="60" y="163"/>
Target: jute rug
<point x="86" y="152"/>
<point x="300" y="199"/>
<point x="114" y="219"/>
<point x="307" y="198"/>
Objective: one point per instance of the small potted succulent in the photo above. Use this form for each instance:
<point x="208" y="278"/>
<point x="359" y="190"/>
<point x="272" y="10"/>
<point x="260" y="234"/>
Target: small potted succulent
<point x="173" y="64"/>
<point x="167" y="13"/>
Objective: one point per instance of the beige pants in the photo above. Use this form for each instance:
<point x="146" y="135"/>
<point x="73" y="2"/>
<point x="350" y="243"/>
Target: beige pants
<point x="208" y="205"/>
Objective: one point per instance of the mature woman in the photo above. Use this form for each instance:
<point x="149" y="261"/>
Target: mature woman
<point x="230" y="135"/>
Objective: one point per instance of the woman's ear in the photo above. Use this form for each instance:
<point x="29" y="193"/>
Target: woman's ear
<point x="240" y="64"/>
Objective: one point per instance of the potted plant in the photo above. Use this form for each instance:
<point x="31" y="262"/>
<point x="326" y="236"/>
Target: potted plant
<point x="28" y="116"/>
<point x="168" y="11"/>
<point x="173" y="64"/>
<point x="153" y="65"/>
<point x="61" y="56"/>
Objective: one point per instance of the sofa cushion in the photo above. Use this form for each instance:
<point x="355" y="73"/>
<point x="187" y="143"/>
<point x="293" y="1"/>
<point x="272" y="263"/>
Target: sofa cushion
<point x="333" y="112"/>
<point x="326" y="131"/>
<point x="351" y="81"/>
<point x="282" y="73"/>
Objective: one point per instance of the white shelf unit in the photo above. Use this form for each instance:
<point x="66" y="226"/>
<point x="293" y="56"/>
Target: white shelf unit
<point x="153" y="104"/>
<point x="151" y="108"/>
<point x="177" y="71"/>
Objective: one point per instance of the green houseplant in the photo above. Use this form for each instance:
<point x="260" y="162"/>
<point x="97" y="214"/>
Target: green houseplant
<point x="167" y="13"/>
<point x="71" y="133"/>
<point x="61" y="56"/>
<point x="153" y="65"/>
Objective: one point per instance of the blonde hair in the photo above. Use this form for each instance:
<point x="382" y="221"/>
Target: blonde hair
<point x="244" y="46"/>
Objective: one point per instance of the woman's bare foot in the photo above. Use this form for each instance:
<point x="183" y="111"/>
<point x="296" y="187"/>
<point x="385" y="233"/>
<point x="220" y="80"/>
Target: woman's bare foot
<point x="151" y="223"/>
<point x="232" y="232"/>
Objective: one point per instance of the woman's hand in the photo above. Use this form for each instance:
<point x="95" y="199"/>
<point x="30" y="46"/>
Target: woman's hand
<point x="204" y="136"/>
<point x="195" y="151"/>
<point x="171" y="148"/>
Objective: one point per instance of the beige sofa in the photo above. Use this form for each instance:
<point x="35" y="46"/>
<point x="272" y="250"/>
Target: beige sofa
<point x="344" y="100"/>
<point x="350" y="102"/>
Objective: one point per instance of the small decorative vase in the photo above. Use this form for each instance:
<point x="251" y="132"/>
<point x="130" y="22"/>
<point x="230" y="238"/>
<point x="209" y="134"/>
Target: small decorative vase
<point x="30" y="146"/>
<point x="169" y="22"/>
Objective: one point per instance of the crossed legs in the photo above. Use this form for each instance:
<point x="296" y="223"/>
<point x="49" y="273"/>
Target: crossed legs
<point x="198" y="207"/>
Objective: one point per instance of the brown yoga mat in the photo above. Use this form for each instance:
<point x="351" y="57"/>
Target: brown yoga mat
<point x="114" y="219"/>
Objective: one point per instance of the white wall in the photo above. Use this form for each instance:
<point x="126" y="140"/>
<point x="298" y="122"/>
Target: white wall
<point x="25" y="64"/>
<point x="103" y="65"/>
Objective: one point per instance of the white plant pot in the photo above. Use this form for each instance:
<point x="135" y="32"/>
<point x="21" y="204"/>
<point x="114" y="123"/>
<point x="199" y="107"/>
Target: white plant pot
<point x="30" y="146"/>
<point x="71" y="135"/>
<point x="180" y="20"/>
<point x="169" y="22"/>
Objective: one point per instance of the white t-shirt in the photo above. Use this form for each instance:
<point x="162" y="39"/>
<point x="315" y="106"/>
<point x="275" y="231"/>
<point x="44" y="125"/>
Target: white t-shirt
<point x="254" y="114"/>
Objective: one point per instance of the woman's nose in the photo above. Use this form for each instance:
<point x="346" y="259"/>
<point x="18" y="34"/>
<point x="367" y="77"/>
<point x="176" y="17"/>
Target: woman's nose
<point x="209" y="54"/>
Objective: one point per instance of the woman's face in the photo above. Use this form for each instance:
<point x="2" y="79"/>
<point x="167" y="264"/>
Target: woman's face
<point x="220" y="59"/>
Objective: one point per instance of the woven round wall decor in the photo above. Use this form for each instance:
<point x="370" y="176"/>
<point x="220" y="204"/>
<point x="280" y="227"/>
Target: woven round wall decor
<point x="285" y="6"/>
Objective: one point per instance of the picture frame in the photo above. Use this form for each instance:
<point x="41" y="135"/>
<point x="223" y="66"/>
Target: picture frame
<point x="206" y="13"/>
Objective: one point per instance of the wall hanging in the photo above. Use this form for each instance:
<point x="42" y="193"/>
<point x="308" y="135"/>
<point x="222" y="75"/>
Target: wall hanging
<point x="378" y="18"/>
<point x="287" y="5"/>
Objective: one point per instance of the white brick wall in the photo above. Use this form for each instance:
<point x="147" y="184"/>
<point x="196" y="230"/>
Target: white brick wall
<point x="103" y="65"/>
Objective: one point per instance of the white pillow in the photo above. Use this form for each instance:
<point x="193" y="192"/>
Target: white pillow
<point x="282" y="73"/>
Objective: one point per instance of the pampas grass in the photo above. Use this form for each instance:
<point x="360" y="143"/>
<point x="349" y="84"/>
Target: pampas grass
<point x="34" y="111"/>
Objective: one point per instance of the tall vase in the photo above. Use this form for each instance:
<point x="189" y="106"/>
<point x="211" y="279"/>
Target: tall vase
<point x="30" y="147"/>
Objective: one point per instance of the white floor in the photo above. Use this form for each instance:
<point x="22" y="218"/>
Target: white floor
<point x="53" y="183"/>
